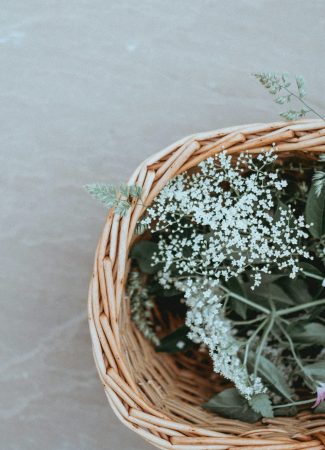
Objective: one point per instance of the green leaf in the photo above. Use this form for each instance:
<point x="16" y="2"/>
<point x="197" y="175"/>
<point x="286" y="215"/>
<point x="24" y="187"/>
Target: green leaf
<point x="238" y="307"/>
<point x="143" y="252"/>
<point x="135" y="191"/>
<point x="312" y="333"/>
<point x="320" y="409"/>
<point x="105" y="193"/>
<point x="296" y="289"/>
<point x="310" y="268"/>
<point x="318" y="182"/>
<point x="158" y="291"/>
<point x="272" y="292"/>
<point x="262" y="404"/>
<point x="229" y="403"/>
<point x="122" y="207"/>
<point x="315" y="212"/>
<point x="176" y="341"/>
<point x="271" y="375"/>
<point x="286" y="411"/>
<point x="316" y="371"/>
<point x="124" y="190"/>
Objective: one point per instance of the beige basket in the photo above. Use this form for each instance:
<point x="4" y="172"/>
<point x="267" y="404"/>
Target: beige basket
<point x="158" y="395"/>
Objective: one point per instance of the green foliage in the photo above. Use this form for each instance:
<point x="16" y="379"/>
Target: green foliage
<point x="318" y="182"/>
<point x="296" y="289"/>
<point x="262" y="404"/>
<point x="320" y="408"/>
<point x="176" y="341"/>
<point x="140" y="228"/>
<point x="319" y="178"/>
<point x="229" y="403"/>
<point x="113" y="197"/>
<point x="279" y="326"/>
<point x="280" y="86"/>
<point x="315" y="212"/>
<point x="316" y="370"/>
<point x="312" y="333"/>
<point x="271" y="292"/>
<point x="239" y="307"/>
<point x="272" y="376"/>
<point x="141" y="306"/>
<point x="143" y="252"/>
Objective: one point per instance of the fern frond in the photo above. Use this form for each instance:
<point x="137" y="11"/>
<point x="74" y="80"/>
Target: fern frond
<point x="104" y="193"/>
<point x="318" y="182"/>
<point x="112" y="197"/>
<point x="140" y="228"/>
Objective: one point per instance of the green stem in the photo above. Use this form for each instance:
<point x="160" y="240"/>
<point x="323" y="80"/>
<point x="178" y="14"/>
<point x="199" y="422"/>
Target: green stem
<point x="263" y="342"/>
<point x="258" y="329"/>
<point x="304" y="103"/>
<point x="301" y="402"/>
<point x="294" y="354"/>
<point x="313" y="275"/>
<point x="248" y="322"/>
<point x="293" y="309"/>
<point x="245" y="300"/>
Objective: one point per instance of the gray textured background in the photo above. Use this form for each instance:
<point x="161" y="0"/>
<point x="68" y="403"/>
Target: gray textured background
<point x="88" y="89"/>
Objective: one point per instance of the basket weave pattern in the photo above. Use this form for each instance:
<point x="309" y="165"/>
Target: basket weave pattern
<point x="158" y="395"/>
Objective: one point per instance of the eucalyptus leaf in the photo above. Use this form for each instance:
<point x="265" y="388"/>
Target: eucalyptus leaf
<point x="315" y="212"/>
<point x="143" y="252"/>
<point x="262" y="404"/>
<point x="316" y="371"/>
<point x="229" y="403"/>
<point x="176" y="341"/>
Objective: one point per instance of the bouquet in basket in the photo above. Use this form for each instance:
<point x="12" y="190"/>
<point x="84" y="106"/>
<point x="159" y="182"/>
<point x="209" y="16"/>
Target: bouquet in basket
<point x="231" y="255"/>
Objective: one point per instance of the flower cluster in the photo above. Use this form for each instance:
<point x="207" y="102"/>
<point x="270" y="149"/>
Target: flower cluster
<point x="222" y="221"/>
<point x="214" y="225"/>
<point x="205" y="318"/>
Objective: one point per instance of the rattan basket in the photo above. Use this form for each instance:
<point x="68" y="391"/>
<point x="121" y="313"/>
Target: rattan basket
<point x="159" y="395"/>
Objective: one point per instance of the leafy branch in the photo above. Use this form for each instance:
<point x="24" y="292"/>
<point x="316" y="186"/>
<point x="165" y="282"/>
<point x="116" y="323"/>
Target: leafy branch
<point x="279" y="85"/>
<point x="113" y="197"/>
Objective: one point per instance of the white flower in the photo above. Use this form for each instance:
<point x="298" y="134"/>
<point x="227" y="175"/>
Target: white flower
<point x="216" y="224"/>
<point x="209" y="326"/>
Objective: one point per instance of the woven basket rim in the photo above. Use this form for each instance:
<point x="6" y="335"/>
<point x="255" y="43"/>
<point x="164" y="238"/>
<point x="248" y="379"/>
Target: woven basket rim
<point x="124" y="359"/>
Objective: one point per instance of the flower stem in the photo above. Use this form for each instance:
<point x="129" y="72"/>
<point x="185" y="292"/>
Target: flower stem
<point x="313" y="275"/>
<point x="304" y="103"/>
<point x="263" y="342"/>
<point x="248" y="322"/>
<point x="309" y="380"/>
<point x="251" y="339"/>
<point x="245" y="300"/>
<point x="301" y="402"/>
<point x="293" y="309"/>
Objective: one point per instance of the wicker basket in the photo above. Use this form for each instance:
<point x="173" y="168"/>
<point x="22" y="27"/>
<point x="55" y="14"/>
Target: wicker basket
<point x="159" y="395"/>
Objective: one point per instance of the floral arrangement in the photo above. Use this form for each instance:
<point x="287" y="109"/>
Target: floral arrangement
<point x="235" y="250"/>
